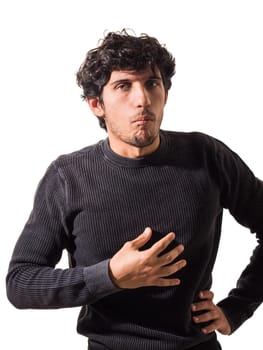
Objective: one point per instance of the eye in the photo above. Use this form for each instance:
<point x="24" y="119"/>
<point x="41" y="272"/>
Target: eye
<point x="123" y="86"/>
<point x="153" y="83"/>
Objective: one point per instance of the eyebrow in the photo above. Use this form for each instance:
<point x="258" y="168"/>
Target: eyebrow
<point x="127" y="80"/>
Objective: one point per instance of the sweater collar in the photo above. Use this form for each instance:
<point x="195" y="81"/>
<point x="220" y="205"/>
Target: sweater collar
<point x="149" y="159"/>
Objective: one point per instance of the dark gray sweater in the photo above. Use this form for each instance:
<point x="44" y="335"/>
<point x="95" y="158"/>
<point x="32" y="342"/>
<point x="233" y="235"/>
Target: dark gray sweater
<point x="92" y="201"/>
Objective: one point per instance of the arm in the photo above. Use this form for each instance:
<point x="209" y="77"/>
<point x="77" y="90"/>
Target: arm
<point x="242" y="194"/>
<point x="32" y="280"/>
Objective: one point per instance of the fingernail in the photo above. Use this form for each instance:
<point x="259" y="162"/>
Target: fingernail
<point x="181" y="248"/>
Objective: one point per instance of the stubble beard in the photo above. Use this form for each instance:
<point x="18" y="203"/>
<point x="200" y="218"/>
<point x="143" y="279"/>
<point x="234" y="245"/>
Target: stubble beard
<point x="144" y="137"/>
<point x="142" y="141"/>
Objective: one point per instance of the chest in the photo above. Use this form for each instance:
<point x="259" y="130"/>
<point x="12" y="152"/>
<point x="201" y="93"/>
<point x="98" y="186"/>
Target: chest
<point x="118" y="209"/>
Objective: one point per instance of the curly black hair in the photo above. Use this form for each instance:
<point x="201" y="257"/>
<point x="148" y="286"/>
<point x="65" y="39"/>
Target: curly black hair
<point x="122" y="51"/>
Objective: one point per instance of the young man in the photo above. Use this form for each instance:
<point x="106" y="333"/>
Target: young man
<point x="140" y="214"/>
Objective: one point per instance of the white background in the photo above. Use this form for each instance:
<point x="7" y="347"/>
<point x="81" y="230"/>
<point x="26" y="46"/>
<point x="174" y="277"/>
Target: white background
<point x="217" y="90"/>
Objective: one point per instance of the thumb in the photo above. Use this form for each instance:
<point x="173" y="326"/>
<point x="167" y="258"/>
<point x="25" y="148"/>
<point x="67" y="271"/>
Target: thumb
<point x="143" y="238"/>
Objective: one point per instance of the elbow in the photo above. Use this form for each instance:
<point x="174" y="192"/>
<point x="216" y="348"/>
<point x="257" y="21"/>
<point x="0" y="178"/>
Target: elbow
<point x="16" y="302"/>
<point x="15" y="297"/>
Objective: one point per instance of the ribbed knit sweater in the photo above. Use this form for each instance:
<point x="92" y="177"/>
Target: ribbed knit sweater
<point x="92" y="201"/>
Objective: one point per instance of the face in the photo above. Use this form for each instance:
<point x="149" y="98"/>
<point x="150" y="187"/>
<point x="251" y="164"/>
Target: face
<point x="133" y="104"/>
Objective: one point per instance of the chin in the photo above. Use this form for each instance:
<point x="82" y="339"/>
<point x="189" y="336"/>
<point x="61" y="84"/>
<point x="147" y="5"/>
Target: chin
<point x="140" y="141"/>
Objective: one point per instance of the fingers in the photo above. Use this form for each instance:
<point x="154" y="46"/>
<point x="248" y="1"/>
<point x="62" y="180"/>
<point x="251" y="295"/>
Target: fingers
<point x="217" y="322"/>
<point x="168" y="258"/>
<point x="167" y="282"/>
<point x="173" y="268"/>
<point x="202" y="305"/>
<point x="171" y="255"/>
<point x="206" y="294"/>
<point x="143" y="238"/>
<point x="163" y="243"/>
<point x="159" y="246"/>
<point x="212" y="327"/>
<point x="132" y="268"/>
<point x="206" y="303"/>
<point x="165" y="259"/>
<point x="205" y="317"/>
<point x="210" y="313"/>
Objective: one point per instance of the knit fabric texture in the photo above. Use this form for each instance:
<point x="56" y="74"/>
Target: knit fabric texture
<point x="92" y="201"/>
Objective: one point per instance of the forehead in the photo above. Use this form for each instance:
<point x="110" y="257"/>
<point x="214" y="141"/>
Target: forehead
<point x="144" y="74"/>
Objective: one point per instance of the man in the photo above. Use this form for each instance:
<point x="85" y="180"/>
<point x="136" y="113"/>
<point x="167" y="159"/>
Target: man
<point x="140" y="214"/>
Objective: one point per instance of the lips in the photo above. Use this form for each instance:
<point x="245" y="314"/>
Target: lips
<point x="142" y="121"/>
<point x="144" y="118"/>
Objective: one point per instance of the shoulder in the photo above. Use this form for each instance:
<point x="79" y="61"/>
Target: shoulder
<point x="81" y="156"/>
<point x="199" y="148"/>
<point x="194" y="140"/>
<point x="194" y="136"/>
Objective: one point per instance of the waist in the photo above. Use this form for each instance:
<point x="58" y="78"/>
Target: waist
<point x="211" y="344"/>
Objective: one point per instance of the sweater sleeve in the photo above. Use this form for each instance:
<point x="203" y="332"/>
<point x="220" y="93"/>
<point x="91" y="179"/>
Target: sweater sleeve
<point x="33" y="281"/>
<point x="242" y="194"/>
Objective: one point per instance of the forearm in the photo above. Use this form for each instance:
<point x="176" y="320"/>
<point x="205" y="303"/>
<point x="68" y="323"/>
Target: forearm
<point x="242" y="195"/>
<point x="40" y="287"/>
<point x="248" y="294"/>
<point x="237" y="311"/>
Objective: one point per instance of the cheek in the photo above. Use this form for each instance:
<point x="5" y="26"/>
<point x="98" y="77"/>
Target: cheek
<point x="159" y="101"/>
<point x="117" y="112"/>
<point x="159" y="108"/>
<point x="112" y="107"/>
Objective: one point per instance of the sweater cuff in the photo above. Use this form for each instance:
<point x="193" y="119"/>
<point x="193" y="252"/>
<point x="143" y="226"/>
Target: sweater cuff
<point x="98" y="281"/>
<point x="237" y="311"/>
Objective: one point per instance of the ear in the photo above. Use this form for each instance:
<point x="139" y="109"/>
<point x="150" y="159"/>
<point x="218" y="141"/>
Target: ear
<point x="95" y="106"/>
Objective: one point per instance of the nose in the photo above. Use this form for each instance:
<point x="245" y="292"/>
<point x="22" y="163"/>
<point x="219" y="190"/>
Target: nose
<point x="141" y="96"/>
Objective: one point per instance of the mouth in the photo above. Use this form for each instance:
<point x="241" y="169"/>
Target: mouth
<point x="143" y="119"/>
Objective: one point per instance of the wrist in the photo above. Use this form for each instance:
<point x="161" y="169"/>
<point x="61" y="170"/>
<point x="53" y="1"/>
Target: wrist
<point x="112" y="277"/>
